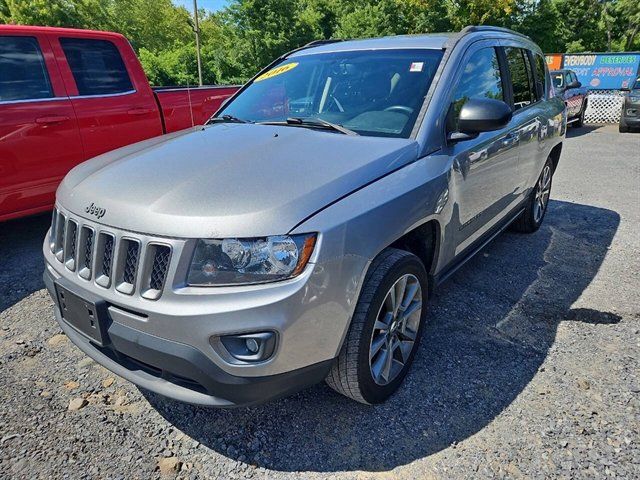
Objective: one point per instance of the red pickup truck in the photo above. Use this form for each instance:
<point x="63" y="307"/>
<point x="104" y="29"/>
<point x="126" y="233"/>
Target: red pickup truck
<point x="68" y="95"/>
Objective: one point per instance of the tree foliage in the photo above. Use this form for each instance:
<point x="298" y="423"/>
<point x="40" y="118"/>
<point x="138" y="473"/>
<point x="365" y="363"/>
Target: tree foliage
<point x="248" y="34"/>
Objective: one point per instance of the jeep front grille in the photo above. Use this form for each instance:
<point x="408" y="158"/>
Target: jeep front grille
<point x="121" y="261"/>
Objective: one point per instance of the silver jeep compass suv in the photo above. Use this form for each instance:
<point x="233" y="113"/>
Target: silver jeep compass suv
<point x="298" y="235"/>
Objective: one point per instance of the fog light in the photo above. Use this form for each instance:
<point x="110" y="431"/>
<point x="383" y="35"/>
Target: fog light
<point x="252" y="345"/>
<point x="248" y="347"/>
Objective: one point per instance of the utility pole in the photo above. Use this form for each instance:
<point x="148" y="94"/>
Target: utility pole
<point x="196" y="29"/>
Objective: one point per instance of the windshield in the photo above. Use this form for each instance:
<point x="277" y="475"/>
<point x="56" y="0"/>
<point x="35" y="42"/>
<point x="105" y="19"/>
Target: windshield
<point x="371" y="92"/>
<point x="636" y="86"/>
<point x="558" y="80"/>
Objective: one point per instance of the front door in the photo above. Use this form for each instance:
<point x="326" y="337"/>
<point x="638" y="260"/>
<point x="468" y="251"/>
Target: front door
<point x="485" y="169"/>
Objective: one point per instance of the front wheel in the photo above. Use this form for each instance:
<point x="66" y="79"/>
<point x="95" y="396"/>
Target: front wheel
<point x="385" y="329"/>
<point x="531" y="219"/>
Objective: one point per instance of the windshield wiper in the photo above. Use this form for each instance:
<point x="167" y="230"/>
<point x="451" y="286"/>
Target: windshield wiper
<point x="313" y="122"/>
<point x="227" y="119"/>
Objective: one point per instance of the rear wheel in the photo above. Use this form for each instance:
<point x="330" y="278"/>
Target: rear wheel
<point x="580" y="121"/>
<point x="531" y="219"/>
<point x="385" y="330"/>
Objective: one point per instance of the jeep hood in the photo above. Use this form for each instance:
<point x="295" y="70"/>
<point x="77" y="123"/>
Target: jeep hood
<point x="228" y="180"/>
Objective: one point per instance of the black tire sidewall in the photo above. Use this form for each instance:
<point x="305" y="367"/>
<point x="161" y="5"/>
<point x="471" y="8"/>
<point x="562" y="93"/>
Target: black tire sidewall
<point x="371" y="391"/>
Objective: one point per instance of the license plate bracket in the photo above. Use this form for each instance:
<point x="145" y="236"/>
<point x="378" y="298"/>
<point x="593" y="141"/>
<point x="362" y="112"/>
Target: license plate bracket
<point x="88" y="317"/>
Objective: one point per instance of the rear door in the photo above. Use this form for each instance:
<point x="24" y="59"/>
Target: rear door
<point x="39" y="139"/>
<point x="527" y="114"/>
<point x="113" y="108"/>
<point x="486" y="167"/>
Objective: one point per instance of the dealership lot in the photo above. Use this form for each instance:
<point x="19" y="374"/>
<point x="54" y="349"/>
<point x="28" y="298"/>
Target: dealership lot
<point x="529" y="366"/>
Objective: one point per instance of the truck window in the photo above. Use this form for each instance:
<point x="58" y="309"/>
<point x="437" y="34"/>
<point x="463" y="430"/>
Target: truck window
<point x="481" y="79"/>
<point x="520" y="77"/>
<point x="23" y="74"/>
<point x="97" y="66"/>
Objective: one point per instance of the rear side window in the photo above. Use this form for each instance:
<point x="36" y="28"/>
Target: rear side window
<point x="520" y="70"/>
<point x="96" y="65"/>
<point x="481" y="79"/>
<point x="541" y="76"/>
<point x="23" y="74"/>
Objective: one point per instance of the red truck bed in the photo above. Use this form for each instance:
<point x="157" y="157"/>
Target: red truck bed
<point x="68" y="95"/>
<point x="184" y="106"/>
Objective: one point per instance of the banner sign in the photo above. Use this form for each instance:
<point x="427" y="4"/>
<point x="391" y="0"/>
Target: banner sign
<point x="554" y="61"/>
<point x="605" y="71"/>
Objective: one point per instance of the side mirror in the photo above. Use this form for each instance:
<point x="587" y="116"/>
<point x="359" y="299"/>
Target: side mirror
<point x="481" y="115"/>
<point x="575" y="84"/>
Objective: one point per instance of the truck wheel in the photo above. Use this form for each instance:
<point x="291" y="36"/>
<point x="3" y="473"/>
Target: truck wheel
<point x="580" y="121"/>
<point x="623" y="128"/>
<point x="531" y="219"/>
<point x="385" y="329"/>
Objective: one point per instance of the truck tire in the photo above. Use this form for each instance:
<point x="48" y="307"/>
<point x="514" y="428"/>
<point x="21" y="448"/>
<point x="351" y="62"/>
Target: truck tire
<point x="530" y="220"/>
<point x="385" y="333"/>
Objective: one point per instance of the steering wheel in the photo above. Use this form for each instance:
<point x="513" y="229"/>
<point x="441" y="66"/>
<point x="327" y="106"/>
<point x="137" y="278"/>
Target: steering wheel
<point x="399" y="109"/>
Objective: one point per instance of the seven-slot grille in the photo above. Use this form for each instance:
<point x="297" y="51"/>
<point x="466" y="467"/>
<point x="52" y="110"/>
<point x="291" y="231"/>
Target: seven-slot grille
<point x="101" y="256"/>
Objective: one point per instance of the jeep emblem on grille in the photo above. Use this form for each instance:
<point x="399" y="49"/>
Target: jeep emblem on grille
<point x="95" y="210"/>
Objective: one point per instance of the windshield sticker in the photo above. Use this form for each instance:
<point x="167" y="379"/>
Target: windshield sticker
<point x="276" y="71"/>
<point x="416" y="67"/>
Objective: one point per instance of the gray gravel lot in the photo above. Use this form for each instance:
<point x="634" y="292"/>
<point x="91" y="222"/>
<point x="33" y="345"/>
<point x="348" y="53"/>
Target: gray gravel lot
<point x="529" y="367"/>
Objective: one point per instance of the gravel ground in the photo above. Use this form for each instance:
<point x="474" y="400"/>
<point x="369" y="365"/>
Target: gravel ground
<point x="528" y="368"/>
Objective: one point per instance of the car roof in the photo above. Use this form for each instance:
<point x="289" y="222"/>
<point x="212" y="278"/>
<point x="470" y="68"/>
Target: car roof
<point x="424" y="41"/>
<point x="435" y="41"/>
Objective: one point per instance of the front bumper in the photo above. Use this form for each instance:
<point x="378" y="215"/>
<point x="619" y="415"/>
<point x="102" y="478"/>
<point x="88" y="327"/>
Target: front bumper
<point x="180" y="371"/>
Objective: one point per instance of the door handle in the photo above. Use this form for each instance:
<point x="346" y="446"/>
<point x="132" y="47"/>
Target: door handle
<point x="51" y="119"/>
<point x="139" y="111"/>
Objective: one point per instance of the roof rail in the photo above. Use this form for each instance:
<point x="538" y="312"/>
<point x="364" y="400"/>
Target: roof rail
<point x="315" y="43"/>
<point x="489" y="28"/>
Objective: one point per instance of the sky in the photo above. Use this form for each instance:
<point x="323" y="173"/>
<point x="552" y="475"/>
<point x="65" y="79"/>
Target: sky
<point x="211" y="5"/>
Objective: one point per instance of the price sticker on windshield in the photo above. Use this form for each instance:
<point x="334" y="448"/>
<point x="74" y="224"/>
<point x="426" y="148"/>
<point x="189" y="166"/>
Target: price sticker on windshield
<point x="416" y="66"/>
<point x="276" y="71"/>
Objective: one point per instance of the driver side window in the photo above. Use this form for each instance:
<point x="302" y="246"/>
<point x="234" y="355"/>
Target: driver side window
<point x="481" y="79"/>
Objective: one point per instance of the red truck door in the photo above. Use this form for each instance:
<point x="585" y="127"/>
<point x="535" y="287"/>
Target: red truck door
<point x="113" y="101"/>
<point x="39" y="139"/>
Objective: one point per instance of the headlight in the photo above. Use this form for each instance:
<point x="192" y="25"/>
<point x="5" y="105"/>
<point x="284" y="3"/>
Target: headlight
<point x="234" y="261"/>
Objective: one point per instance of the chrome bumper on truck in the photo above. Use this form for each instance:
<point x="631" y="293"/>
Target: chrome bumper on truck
<point x="169" y="368"/>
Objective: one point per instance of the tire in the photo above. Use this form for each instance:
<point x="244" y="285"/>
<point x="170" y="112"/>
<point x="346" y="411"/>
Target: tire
<point x="580" y="121"/>
<point x="623" y="128"/>
<point x="531" y="219"/>
<point x="352" y="374"/>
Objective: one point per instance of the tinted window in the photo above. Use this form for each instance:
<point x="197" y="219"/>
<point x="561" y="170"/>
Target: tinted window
<point x="96" y="65"/>
<point x="373" y="92"/>
<point x="541" y="76"/>
<point x="520" y="77"/>
<point x="481" y="79"/>
<point x="23" y="74"/>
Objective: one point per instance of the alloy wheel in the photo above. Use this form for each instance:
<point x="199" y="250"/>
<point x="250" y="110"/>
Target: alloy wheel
<point x="395" y="330"/>
<point x="543" y="188"/>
